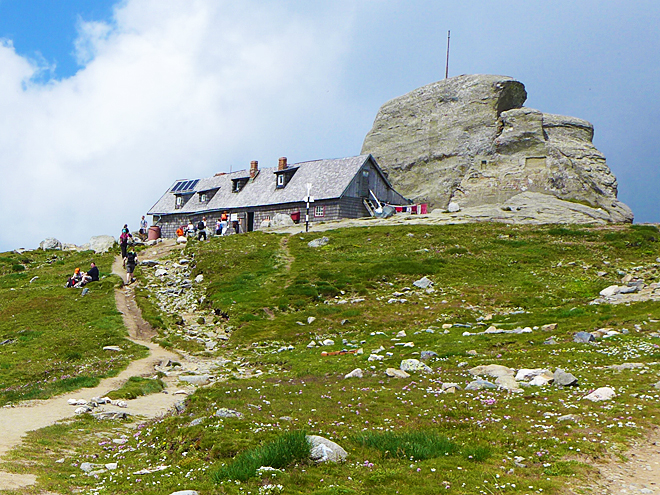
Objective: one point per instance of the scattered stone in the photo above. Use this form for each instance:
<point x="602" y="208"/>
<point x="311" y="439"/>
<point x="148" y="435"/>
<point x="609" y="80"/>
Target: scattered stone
<point x="583" y="337"/>
<point x="480" y="384"/>
<point x="311" y="344"/>
<point x="471" y="352"/>
<point x="568" y="417"/>
<point x="550" y="327"/>
<point x="453" y="207"/>
<point x="610" y="291"/>
<point x="402" y="333"/>
<point x="77" y="402"/>
<point x="426" y="355"/>
<point x="328" y="342"/>
<point x="114" y="348"/>
<point x="356" y="373"/>
<point x="316" y="243"/>
<point x="196" y="379"/>
<point x="36" y="277"/>
<point x="600" y="394"/>
<point x="199" y="279"/>
<point x="196" y="421"/>
<point x="223" y="412"/>
<point x="395" y="373"/>
<point x="528" y="374"/>
<point x="423" y="283"/>
<point x="185" y="492"/>
<point x="324" y="450"/>
<point x="564" y="379"/>
<point x="446" y="326"/>
<point x="88" y="466"/>
<point x="414" y="365"/>
<point x="111" y="415"/>
<point x="82" y="410"/>
<point x="375" y="357"/>
<point x="310" y="320"/>
<point x="626" y="366"/>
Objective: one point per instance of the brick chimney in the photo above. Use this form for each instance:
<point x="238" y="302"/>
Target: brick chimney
<point x="282" y="164"/>
<point x="254" y="169"/>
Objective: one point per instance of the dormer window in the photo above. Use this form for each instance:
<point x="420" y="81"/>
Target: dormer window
<point x="179" y="201"/>
<point x="283" y="176"/>
<point x="238" y="184"/>
<point x="203" y="197"/>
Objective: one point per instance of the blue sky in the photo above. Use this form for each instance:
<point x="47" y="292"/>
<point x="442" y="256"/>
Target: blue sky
<point x="104" y="104"/>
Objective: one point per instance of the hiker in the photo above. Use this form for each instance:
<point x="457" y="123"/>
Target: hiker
<point x="131" y="262"/>
<point x="236" y="226"/>
<point x="218" y="227"/>
<point x="144" y="225"/>
<point x="190" y="230"/>
<point x="201" y="229"/>
<point x="75" y="278"/>
<point x="179" y="232"/>
<point x="123" y="241"/>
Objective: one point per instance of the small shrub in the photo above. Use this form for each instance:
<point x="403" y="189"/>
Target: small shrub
<point x="419" y="445"/>
<point x="17" y="267"/>
<point x="137" y="386"/>
<point x="280" y="453"/>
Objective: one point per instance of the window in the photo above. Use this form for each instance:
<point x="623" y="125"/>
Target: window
<point x="280" y="180"/>
<point x="203" y="197"/>
<point x="319" y="211"/>
<point x="179" y="201"/>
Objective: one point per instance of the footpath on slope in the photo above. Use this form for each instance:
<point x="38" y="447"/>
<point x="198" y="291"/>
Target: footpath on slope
<point x="17" y="421"/>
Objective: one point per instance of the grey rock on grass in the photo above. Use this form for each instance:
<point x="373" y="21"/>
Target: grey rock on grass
<point x="324" y="450"/>
<point x="564" y="379"/>
<point x="583" y="337"/>
<point x="316" y="243"/>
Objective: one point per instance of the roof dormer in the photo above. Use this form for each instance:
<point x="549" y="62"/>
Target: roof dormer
<point x="283" y="174"/>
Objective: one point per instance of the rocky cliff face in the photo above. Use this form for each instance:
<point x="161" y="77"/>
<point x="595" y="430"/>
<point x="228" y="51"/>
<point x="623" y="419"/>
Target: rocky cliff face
<point x="469" y="140"/>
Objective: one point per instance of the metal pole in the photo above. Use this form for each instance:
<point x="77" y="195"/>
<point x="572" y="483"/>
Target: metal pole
<point x="447" y="64"/>
<point x="309" y="192"/>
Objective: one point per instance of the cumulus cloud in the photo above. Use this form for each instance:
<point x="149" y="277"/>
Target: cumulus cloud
<point x="166" y="90"/>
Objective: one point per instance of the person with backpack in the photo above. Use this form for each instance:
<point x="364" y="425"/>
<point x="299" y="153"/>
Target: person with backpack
<point x="123" y="242"/>
<point x="201" y="229"/>
<point x="131" y="263"/>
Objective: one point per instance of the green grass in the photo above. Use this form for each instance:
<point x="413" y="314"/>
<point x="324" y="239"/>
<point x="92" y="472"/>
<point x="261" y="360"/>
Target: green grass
<point x="460" y="443"/>
<point x="280" y="453"/>
<point x="137" y="386"/>
<point x="420" y="445"/>
<point x="55" y="336"/>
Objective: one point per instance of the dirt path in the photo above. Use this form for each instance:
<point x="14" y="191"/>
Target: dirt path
<point x="16" y="421"/>
<point x="639" y="475"/>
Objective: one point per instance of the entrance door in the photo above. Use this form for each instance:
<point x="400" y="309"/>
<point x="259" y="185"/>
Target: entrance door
<point x="250" y="221"/>
<point x="364" y="184"/>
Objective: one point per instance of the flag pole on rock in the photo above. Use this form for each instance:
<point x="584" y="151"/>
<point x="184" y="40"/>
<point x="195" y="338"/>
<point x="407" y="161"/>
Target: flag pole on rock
<point x="447" y="63"/>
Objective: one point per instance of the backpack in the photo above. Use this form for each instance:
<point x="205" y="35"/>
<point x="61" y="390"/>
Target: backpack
<point x="130" y="258"/>
<point x="200" y="225"/>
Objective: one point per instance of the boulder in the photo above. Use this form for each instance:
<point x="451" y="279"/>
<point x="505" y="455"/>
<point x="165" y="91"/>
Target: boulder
<point x="423" y="283"/>
<point x="181" y="240"/>
<point x="395" y="373"/>
<point x="321" y="241"/>
<point x="101" y="243"/>
<point x="600" y="394"/>
<point x="50" y="243"/>
<point x="223" y="412"/>
<point x="583" y="337"/>
<point x="324" y="450"/>
<point x="281" y="220"/>
<point x="480" y="384"/>
<point x="564" y="379"/>
<point x="469" y="141"/>
<point x="356" y="373"/>
<point x="414" y="365"/>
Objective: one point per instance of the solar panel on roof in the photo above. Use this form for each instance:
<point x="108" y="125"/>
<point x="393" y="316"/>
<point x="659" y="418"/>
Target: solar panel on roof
<point x="194" y="183"/>
<point x="177" y="186"/>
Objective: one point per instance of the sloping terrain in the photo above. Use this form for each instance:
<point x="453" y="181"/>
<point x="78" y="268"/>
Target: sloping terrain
<point x="289" y="322"/>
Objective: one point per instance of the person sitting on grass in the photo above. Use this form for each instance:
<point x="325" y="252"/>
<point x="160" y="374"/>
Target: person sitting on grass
<point x="91" y="276"/>
<point x="75" y="279"/>
<point x="131" y="263"/>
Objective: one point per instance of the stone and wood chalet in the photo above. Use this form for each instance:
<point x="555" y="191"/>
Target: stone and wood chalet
<point x="341" y="188"/>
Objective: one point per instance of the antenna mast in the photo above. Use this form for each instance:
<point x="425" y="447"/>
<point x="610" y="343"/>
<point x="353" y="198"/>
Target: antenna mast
<point x="447" y="64"/>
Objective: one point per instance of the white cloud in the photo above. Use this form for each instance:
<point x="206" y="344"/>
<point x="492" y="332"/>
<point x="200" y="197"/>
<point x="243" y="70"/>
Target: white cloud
<point x="169" y="89"/>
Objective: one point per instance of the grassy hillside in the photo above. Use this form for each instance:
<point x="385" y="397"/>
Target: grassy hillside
<point x="52" y="337"/>
<point x="402" y="435"/>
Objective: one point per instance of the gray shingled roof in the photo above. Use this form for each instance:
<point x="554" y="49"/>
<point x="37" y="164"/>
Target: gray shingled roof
<point x="329" y="179"/>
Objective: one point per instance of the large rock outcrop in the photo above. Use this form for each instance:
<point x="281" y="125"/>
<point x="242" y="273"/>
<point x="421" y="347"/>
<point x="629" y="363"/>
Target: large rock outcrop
<point x="469" y="140"/>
